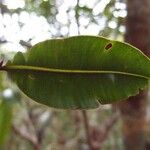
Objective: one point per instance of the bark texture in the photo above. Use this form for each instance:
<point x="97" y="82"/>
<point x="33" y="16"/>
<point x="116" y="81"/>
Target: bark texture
<point x="133" y="111"/>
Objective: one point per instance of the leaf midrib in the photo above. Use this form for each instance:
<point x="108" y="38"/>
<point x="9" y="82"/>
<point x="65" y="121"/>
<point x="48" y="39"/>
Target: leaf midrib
<point x="53" y="70"/>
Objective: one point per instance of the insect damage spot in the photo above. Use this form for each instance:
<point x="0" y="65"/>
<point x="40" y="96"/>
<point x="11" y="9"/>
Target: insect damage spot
<point x="31" y="77"/>
<point x="108" y="46"/>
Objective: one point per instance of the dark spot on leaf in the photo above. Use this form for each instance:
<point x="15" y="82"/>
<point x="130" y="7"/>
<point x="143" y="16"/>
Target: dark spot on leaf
<point x="108" y="46"/>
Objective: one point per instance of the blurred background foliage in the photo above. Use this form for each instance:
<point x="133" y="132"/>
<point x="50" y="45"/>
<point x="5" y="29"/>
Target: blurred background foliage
<point x="26" y="125"/>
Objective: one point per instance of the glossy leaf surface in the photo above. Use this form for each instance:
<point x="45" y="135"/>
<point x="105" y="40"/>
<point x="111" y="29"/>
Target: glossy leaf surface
<point x="80" y="72"/>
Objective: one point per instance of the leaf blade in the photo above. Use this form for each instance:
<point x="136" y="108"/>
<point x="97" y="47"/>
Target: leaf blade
<point x="80" y="72"/>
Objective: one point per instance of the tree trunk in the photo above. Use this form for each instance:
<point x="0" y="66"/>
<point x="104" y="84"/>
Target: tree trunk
<point x="133" y="111"/>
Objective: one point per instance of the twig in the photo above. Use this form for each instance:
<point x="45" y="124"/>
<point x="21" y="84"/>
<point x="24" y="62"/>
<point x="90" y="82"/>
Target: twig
<point x="24" y="43"/>
<point x="24" y="135"/>
<point x="3" y="41"/>
<point x="97" y="135"/>
<point x="108" y="124"/>
<point x="77" y="17"/>
<point x="1" y="63"/>
<point x="87" y="129"/>
<point x="38" y="144"/>
<point x="40" y="131"/>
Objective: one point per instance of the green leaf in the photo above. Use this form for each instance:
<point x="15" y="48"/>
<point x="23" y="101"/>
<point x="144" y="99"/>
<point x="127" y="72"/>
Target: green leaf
<point x="5" y="120"/>
<point x="80" y="72"/>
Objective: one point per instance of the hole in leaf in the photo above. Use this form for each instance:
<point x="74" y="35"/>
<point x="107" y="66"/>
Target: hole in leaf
<point x="108" y="46"/>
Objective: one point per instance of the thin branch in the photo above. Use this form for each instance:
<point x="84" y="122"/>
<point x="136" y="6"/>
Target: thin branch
<point x="97" y="135"/>
<point x="38" y="144"/>
<point x="107" y="126"/>
<point x="3" y="41"/>
<point x="40" y="131"/>
<point x="77" y="17"/>
<point x="87" y="129"/>
<point x="26" y="44"/>
<point x="1" y="63"/>
<point x="110" y="122"/>
<point x="25" y="135"/>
